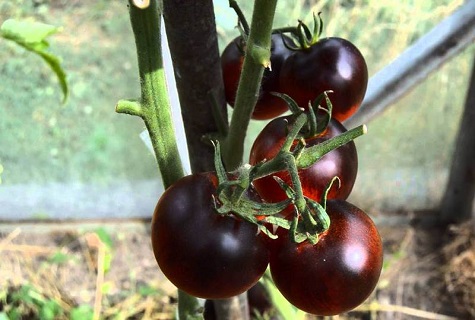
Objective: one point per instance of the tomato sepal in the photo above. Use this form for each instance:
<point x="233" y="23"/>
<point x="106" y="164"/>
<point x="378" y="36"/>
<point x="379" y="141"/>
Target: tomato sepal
<point x="303" y="37"/>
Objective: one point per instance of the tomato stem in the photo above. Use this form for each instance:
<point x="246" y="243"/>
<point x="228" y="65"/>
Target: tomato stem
<point x="257" y="55"/>
<point x="279" y="162"/>
<point x="299" y="200"/>
<point x="294" y="131"/>
<point x="312" y="154"/>
<point x="155" y="109"/>
<point x="154" y="105"/>
<point x="242" y="18"/>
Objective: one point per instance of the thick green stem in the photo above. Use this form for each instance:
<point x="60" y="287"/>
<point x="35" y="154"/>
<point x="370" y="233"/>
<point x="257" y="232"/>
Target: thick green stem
<point x="154" y="106"/>
<point x="155" y="110"/>
<point x="308" y="156"/>
<point x="312" y="154"/>
<point x="257" y="57"/>
<point x="296" y="184"/>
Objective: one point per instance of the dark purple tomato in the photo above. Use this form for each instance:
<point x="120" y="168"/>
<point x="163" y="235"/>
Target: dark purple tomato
<point x="330" y="64"/>
<point x="336" y="274"/>
<point x="267" y="106"/>
<point x="341" y="162"/>
<point x="203" y="253"/>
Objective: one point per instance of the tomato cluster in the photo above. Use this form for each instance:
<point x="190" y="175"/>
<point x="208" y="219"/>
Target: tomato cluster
<point x="216" y="255"/>
<point x="329" y="64"/>
<point x="213" y="256"/>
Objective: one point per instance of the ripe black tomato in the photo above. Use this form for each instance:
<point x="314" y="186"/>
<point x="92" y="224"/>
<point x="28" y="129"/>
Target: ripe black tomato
<point x="267" y="106"/>
<point x="336" y="274"/>
<point x="201" y="252"/>
<point x="341" y="162"/>
<point x="330" y="64"/>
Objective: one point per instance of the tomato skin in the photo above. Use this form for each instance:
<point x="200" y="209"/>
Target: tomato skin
<point x="201" y="252"/>
<point x="267" y="106"/>
<point x="339" y="272"/>
<point x="330" y="64"/>
<point x="341" y="162"/>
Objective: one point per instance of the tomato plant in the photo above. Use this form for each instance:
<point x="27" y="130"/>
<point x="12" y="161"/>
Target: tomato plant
<point x="204" y="253"/>
<point x="205" y="227"/>
<point x="337" y="273"/>
<point x="267" y="106"/>
<point x="328" y="64"/>
<point x="341" y="162"/>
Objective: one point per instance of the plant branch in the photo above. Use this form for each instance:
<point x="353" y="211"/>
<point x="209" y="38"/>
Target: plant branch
<point x="192" y="38"/>
<point x="312" y="154"/>
<point x="154" y="105"/>
<point x="242" y="19"/>
<point x="257" y="57"/>
<point x="308" y="156"/>
<point x="155" y="110"/>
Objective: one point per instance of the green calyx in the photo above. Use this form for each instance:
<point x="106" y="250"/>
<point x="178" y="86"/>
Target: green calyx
<point x="310" y="219"/>
<point x="318" y="116"/>
<point x="304" y="38"/>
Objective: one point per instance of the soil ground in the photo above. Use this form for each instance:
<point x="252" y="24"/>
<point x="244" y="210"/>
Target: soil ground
<point x="109" y="267"/>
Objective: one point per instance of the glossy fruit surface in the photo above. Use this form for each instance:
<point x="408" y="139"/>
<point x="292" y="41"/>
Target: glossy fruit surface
<point x="329" y="64"/>
<point x="339" y="272"/>
<point x="201" y="252"/>
<point x="341" y="162"/>
<point x="267" y="106"/>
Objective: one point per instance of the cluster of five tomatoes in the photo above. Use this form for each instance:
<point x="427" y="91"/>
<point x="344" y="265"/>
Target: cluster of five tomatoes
<point x="212" y="256"/>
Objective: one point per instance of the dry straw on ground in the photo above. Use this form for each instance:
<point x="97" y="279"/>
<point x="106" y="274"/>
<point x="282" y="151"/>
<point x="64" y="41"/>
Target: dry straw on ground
<point x="427" y="277"/>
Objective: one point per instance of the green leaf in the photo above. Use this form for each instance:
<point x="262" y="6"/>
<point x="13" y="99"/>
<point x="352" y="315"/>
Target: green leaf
<point x="14" y="314"/>
<point x="32" y="35"/>
<point x="107" y="261"/>
<point x="147" y="290"/>
<point x="27" y="32"/>
<point x="59" y="258"/>
<point x="105" y="237"/>
<point x="83" y="312"/>
<point x="50" y="310"/>
<point x="1" y="171"/>
<point x="107" y="287"/>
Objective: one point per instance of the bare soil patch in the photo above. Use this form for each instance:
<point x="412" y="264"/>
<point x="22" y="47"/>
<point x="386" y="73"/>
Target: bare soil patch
<point x="428" y="273"/>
